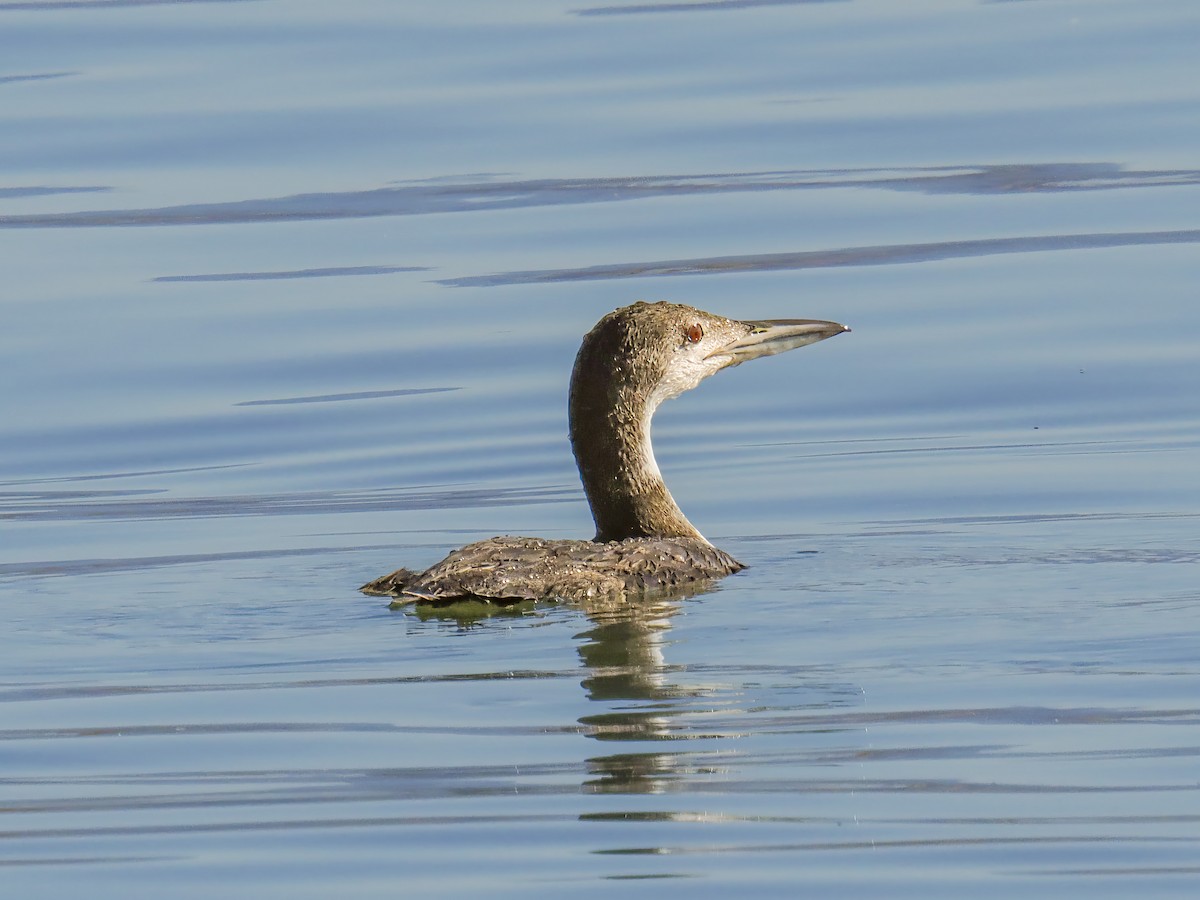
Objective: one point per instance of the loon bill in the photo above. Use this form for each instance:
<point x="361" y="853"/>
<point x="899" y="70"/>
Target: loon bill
<point x="631" y="361"/>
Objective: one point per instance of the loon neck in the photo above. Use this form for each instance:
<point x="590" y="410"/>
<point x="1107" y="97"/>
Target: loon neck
<point x="610" y="434"/>
<point x="622" y="481"/>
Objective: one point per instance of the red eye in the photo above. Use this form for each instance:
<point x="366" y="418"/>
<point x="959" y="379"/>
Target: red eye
<point x="694" y="333"/>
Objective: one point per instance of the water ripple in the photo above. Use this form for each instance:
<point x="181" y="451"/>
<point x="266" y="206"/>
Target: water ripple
<point x="45" y="506"/>
<point x="698" y="6"/>
<point x="354" y="395"/>
<point x="880" y="255"/>
<point x="39" y="5"/>
<point x="441" y="196"/>
<point x="326" y="272"/>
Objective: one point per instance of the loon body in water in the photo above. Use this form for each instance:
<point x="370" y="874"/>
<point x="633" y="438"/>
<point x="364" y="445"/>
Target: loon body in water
<point x="631" y="361"/>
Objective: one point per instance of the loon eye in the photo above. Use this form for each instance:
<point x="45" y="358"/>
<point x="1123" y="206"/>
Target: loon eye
<point x="694" y="333"/>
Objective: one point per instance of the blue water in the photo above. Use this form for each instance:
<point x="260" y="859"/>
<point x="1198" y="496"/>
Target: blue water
<point x="291" y="294"/>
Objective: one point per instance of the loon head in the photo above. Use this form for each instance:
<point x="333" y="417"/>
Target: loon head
<point x="632" y="360"/>
<point x="650" y="352"/>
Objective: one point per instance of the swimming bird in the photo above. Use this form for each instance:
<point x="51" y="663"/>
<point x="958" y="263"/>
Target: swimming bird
<point x="631" y="361"/>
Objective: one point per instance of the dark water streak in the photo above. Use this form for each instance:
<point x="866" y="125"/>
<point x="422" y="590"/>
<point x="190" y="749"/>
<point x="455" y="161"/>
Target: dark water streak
<point x="887" y="255"/>
<point x="698" y="6"/>
<point x="37" y="76"/>
<point x="52" y="5"/>
<point x="324" y="272"/>
<point x="441" y="196"/>
<point x="47" y="190"/>
<point x="352" y="395"/>
<point x="45" y="506"/>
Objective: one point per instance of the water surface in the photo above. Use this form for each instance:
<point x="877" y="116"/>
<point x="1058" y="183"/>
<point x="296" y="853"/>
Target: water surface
<point x="292" y="293"/>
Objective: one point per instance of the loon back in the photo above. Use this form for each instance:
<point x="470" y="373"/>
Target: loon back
<point x="513" y="569"/>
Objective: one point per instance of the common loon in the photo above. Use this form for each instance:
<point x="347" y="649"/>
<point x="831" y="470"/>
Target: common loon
<point x="631" y="361"/>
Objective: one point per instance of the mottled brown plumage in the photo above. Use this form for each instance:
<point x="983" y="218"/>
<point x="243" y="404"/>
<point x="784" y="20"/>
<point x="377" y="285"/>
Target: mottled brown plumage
<point x="512" y="569"/>
<point x="632" y="360"/>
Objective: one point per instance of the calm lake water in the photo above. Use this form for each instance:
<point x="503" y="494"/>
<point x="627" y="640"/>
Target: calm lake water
<point x="291" y="294"/>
